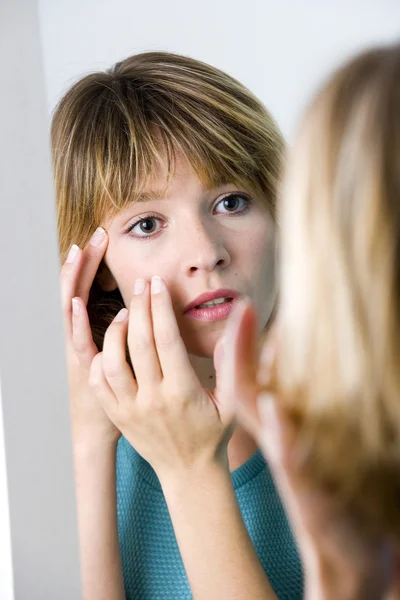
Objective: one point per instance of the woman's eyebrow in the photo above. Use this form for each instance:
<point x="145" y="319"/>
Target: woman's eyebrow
<point x="140" y="197"/>
<point x="149" y="195"/>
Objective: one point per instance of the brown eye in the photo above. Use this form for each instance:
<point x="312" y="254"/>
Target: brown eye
<point x="231" y="203"/>
<point x="147" y="225"/>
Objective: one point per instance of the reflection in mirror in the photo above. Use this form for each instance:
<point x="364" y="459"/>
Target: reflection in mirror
<point x="166" y="172"/>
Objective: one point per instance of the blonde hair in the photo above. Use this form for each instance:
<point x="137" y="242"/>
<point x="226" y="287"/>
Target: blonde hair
<point x="112" y="128"/>
<point x="339" y="363"/>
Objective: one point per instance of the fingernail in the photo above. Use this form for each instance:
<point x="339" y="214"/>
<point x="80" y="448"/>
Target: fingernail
<point x="156" y="284"/>
<point x="121" y="316"/>
<point x="76" y="309"/>
<point x="73" y="253"/>
<point x="140" y="286"/>
<point x="98" y="237"/>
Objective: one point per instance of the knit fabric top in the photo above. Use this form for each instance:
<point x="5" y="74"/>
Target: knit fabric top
<point x="151" y="561"/>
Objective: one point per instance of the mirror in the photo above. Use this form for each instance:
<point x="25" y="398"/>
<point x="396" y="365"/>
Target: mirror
<point x="172" y="511"/>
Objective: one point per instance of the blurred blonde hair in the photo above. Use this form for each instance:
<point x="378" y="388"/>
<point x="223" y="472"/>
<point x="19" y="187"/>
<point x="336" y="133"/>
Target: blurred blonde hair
<point x="339" y="362"/>
<point x="112" y="129"/>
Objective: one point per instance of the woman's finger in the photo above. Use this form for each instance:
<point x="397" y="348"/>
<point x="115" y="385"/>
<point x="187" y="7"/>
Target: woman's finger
<point x="68" y="276"/>
<point x="92" y="257"/>
<point x="141" y="343"/>
<point x="82" y="339"/>
<point x="171" y="350"/>
<point x="236" y="381"/>
<point x="273" y="432"/>
<point x="115" y="367"/>
<point x="266" y="372"/>
<point x="101" y="389"/>
<point x="77" y="274"/>
<point x="219" y="354"/>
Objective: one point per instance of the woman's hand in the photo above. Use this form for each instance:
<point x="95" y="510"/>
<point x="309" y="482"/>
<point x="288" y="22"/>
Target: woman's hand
<point x="163" y="411"/>
<point x="339" y="562"/>
<point x="90" y="424"/>
<point x="94" y="435"/>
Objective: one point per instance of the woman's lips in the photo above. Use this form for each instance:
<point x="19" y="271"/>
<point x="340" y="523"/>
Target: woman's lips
<point x="212" y="313"/>
<point x="210" y="296"/>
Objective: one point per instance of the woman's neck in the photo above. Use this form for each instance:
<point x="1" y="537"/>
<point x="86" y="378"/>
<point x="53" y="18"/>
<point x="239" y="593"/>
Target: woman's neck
<point x="241" y="446"/>
<point x="205" y="371"/>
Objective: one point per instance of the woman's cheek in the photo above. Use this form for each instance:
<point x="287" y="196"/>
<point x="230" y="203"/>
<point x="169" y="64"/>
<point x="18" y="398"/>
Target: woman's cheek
<point x="125" y="272"/>
<point x="264" y="274"/>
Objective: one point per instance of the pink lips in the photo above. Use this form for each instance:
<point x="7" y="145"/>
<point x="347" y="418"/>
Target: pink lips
<point x="213" y="313"/>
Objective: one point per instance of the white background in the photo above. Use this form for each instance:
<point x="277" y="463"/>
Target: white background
<point x="37" y="507"/>
<point x="279" y="48"/>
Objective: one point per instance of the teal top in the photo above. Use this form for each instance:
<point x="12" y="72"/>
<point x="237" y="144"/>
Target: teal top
<point x="151" y="561"/>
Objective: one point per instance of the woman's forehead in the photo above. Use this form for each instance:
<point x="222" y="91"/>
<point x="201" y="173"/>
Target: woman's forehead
<point x="179" y="179"/>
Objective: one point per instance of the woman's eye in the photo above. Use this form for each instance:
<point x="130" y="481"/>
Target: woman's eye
<point x="234" y="203"/>
<point x="144" y="227"/>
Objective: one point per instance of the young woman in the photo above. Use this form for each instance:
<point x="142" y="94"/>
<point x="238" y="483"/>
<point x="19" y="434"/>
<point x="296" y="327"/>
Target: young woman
<point x="333" y="435"/>
<point x="166" y="173"/>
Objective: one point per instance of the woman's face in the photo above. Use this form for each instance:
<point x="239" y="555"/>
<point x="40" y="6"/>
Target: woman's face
<point x="198" y="241"/>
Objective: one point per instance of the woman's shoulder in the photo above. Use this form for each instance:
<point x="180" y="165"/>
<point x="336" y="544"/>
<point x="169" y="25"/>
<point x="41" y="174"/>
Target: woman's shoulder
<point x="252" y="468"/>
<point x="256" y="492"/>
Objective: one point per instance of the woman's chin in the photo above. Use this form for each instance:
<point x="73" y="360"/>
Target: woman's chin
<point x="199" y="351"/>
<point x="203" y="347"/>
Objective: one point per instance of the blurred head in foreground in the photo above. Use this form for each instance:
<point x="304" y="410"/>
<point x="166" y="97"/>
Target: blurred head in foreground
<point x="338" y="366"/>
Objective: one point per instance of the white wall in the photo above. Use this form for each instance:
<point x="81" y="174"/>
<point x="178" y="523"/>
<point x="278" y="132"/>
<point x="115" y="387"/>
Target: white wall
<point x="37" y="507"/>
<point x="278" y="48"/>
<point x="6" y="572"/>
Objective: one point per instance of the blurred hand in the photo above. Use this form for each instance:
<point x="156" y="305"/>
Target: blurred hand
<point x="339" y="563"/>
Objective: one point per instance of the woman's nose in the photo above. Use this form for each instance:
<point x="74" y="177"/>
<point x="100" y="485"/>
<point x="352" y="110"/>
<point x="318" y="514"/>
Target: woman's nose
<point x="203" y="250"/>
